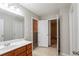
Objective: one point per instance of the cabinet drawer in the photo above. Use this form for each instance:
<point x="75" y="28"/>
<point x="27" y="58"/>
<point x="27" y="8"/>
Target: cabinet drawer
<point x="29" y="46"/>
<point x="29" y="51"/>
<point x="11" y="53"/>
<point x="20" y="50"/>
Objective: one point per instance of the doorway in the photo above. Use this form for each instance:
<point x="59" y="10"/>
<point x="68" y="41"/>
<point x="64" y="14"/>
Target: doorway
<point x="53" y="33"/>
<point x="54" y="30"/>
<point x="42" y="44"/>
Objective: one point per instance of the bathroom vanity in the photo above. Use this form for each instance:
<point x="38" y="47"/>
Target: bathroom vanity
<point x="12" y="42"/>
<point x="15" y="49"/>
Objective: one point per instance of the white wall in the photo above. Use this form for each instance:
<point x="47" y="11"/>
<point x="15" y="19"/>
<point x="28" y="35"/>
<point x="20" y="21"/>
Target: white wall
<point x="74" y="31"/>
<point x="69" y="29"/>
<point x="64" y="31"/>
<point x="73" y="17"/>
<point x="78" y="26"/>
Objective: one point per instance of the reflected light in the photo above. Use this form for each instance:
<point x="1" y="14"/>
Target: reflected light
<point x="11" y="8"/>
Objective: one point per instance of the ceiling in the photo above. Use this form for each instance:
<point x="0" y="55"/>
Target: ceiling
<point x="44" y="8"/>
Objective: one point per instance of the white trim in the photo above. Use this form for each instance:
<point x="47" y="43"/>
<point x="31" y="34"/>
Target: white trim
<point x="52" y="18"/>
<point x="49" y="33"/>
<point x="57" y="36"/>
<point x="34" y="18"/>
<point x="32" y="33"/>
<point x="70" y="28"/>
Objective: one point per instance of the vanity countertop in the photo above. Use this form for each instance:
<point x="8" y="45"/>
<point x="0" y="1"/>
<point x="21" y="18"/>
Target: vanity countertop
<point x="12" y="47"/>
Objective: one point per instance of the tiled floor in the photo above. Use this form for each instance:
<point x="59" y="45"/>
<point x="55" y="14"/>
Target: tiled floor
<point x="42" y="51"/>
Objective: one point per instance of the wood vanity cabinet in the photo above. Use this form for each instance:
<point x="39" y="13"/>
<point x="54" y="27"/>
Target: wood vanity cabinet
<point x="22" y="51"/>
<point x="29" y="50"/>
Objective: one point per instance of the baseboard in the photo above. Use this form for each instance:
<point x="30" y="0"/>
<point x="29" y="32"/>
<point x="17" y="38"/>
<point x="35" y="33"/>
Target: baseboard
<point x="64" y="54"/>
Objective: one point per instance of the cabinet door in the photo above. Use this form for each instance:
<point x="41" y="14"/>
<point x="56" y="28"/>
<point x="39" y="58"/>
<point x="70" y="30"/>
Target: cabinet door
<point x="29" y="51"/>
<point x="29" y="46"/>
<point x="20" y="50"/>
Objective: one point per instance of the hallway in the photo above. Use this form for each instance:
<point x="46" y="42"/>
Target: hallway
<point x="43" y="51"/>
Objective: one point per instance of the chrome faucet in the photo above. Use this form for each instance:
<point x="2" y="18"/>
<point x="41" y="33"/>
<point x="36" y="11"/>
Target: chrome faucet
<point x="7" y="44"/>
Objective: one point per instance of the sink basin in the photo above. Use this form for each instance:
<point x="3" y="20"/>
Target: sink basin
<point x="17" y="43"/>
<point x="11" y="43"/>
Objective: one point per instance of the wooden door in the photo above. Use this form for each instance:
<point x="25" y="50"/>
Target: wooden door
<point x="54" y="33"/>
<point x="35" y="33"/>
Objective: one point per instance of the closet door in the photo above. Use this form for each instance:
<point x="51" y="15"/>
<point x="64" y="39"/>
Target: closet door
<point x="43" y="33"/>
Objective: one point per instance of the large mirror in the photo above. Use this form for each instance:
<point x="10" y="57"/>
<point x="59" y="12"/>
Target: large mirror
<point x="11" y="27"/>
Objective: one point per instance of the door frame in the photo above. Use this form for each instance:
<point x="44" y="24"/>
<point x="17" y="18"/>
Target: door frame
<point x="33" y="18"/>
<point x="58" y="36"/>
<point x="57" y="18"/>
<point x="58" y="27"/>
<point x="70" y="29"/>
<point x="50" y="29"/>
